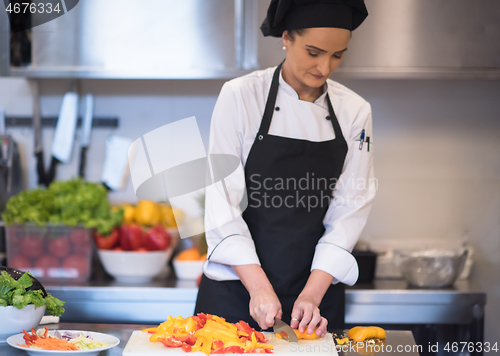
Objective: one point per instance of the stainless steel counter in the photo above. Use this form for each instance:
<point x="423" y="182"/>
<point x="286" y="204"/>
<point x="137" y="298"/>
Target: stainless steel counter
<point x="383" y="302"/>
<point x="401" y="342"/>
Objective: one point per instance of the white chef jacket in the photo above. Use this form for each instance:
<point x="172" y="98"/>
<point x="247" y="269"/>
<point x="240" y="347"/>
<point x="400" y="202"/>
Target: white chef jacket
<point x="235" y="122"/>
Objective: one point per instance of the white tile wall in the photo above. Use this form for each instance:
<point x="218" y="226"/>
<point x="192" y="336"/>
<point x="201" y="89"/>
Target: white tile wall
<point x="437" y="153"/>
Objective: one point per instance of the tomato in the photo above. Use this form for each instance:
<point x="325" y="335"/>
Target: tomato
<point x="78" y="263"/>
<point x="130" y="237"/>
<point x="156" y="239"/>
<point x="45" y="262"/>
<point x="32" y="246"/>
<point x="59" y="246"/>
<point x="19" y="262"/>
<point x="107" y="242"/>
<point x="78" y="236"/>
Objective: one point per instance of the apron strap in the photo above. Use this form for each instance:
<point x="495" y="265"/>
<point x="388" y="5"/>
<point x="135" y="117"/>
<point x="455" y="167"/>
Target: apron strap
<point x="271" y="100"/>
<point x="335" y="122"/>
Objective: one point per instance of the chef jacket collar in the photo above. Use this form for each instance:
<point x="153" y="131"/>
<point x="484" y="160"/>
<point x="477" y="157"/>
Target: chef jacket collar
<point x="286" y="88"/>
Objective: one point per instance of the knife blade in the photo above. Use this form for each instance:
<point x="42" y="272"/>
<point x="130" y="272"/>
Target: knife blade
<point x="64" y="134"/>
<point x="86" y="128"/>
<point x="280" y="326"/>
<point x="37" y="129"/>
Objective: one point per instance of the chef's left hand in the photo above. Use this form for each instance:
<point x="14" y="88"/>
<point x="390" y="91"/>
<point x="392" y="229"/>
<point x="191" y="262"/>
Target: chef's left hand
<point x="307" y="312"/>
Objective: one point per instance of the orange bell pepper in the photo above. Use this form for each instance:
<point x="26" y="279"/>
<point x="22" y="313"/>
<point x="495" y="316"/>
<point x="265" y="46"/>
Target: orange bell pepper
<point x="305" y="335"/>
<point x="361" y="333"/>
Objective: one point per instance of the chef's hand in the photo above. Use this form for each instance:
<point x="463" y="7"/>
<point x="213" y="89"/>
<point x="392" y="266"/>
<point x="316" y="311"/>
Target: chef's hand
<point x="306" y="308"/>
<point x="264" y="303"/>
<point x="305" y="311"/>
<point x="264" y="307"/>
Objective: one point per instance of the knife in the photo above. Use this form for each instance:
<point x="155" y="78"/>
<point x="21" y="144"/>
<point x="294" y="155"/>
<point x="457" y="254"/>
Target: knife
<point x="280" y="326"/>
<point x="37" y="128"/>
<point x="86" y="128"/>
<point x="64" y="134"/>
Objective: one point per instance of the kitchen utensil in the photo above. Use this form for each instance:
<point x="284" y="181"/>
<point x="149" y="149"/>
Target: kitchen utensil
<point x="11" y="175"/>
<point x="139" y="345"/>
<point x="37" y="130"/>
<point x="115" y="171"/>
<point x="280" y="326"/>
<point x="15" y="320"/>
<point x="64" y="134"/>
<point x="431" y="268"/>
<point x="134" y="266"/>
<point x="188" y="270"/>
<point x="16" y="274"/>
<point x="367" y="261"/>
<point x="86" y="129"/>
<point x="113" y="341"/>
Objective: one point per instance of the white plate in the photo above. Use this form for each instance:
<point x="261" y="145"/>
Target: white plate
<point x="110" y="339"/>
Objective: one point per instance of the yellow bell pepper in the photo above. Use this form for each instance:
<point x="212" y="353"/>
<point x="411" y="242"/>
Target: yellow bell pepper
<point x="342" y="341"/>
<point x="361" y="333"/>
<point x="171" y="217"/>
<point x="128" y="214"/>
<point x="147" y="213"/>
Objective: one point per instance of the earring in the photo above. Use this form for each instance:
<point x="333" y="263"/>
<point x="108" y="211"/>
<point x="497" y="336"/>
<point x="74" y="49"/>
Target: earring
<point x="284" y="48"/>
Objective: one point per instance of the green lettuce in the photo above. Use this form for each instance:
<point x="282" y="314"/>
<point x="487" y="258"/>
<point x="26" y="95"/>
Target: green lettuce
<point x="70" y="203"/>
<point x="14" y="293"/>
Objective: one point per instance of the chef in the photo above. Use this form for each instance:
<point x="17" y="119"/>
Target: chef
<point x="305" y="144"/>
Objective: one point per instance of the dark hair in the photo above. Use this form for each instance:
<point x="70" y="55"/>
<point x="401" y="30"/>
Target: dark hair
<point x="298" y="32"/>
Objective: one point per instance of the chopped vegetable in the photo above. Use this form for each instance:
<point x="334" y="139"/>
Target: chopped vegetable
<point x="360" y="333"/>
<point x="342" y="341"/>
<point x="15" y="293"/>
<point x="67" y="203"/>
<point x="305" y="335"/>
<point x="209" y="334"/>
<point x="67" y="342"/>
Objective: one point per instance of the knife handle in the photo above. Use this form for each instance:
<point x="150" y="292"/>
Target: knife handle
<point x="40" y="168"/>
<point x="83" y="159"/>
<point x="52" y="172"/>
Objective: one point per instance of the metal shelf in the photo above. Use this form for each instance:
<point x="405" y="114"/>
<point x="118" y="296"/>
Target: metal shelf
<point x="96" y="73"/>
<point x="16" y="121"/>
<point x="193" y="74"/>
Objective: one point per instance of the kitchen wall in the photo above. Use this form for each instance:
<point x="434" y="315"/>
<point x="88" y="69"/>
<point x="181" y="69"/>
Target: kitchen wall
<point x="437" y="157"/>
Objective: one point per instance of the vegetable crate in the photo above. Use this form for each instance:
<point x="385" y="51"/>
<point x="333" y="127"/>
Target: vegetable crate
<point x="50" y="253"/>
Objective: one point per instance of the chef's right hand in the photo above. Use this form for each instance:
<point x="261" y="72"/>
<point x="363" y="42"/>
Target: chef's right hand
<point x="264" y="303"/>
<point x="264" y="307"/>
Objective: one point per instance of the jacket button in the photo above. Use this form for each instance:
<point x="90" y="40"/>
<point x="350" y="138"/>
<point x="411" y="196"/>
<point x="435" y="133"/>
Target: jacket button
<point x="277" y="108"/>
<point x="328" y="117"/>
<point x="261" y="137"/>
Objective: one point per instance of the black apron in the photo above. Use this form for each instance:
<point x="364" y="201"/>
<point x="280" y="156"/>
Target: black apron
<point x="285" y="221"/>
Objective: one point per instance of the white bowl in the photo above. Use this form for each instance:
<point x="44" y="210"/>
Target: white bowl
<point x="14" y="320"/>
<point x="132" y="266"/>
<point x="188" y="269"/>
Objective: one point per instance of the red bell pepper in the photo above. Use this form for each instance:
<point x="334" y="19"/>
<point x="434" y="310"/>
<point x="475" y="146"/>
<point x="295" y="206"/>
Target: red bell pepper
<point x="107" y="242"/>
<point x="130" y="237"/>
<point x="186" y="348"/>
<point x="156" y="239"/>
<point x="170" y="342"/>
<point x="189" y="339"/>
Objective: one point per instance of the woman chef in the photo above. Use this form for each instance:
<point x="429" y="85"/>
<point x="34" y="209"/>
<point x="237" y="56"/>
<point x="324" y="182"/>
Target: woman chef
<point x="304" y="142"/>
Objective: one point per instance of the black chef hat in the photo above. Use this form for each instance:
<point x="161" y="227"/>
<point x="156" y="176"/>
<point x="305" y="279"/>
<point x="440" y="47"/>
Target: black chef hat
<point x="297" y="14"/>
